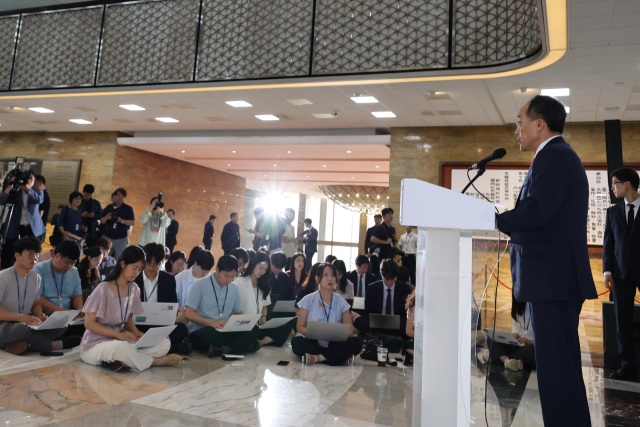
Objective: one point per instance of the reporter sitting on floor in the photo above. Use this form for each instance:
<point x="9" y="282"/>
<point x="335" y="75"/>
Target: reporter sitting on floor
<point x="281" y="284"/>
<point x="254" y="290"/>
<point x="514" y="357"/>
<point x="108" y="262"/>
<point x="325" y="305"/>
<point x="212" y="300"/>
<point x="386" y="296"/>
<point x="242" y="256"/>
<point x="202" y="264"/>
<point x="160" y="286"/>
<point x="344" y="287"/>
<point x="176" y="263"/>
<point x="109" y="323"/>
<point x="20" y="306"/>
<point x="88" y="268"/>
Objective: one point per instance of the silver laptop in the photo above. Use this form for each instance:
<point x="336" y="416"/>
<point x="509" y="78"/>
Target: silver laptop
<point x="240" y="323"/>
<point x="157" y="314"/>
<point x="384" y="321"/>
<point x="285" y="307"/>
<point x="503" y="337"/>
<point x="358" y="303"/>
<point x="154" y="336"/>
<point x="327" y="331"/>
<point x="58" y="319"/>
<point x="277" y="322"/>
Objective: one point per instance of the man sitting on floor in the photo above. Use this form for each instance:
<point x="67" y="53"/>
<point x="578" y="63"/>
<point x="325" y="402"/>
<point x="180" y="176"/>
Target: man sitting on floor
<point x="211" y="301"/>
<point x="281" y="284"/>
<point x="184" y="280"/>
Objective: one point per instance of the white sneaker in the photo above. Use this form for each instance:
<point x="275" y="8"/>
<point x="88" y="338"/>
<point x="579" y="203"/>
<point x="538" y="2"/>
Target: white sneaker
<point x="513" y="364"/>
<point x="483" y="356"/>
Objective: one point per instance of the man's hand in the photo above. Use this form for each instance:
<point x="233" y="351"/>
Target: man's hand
<point x="251" y="231"/>
<point x="523" y="340"/>
<point x="515" y="335"/>
<point x="31" y="320"/>
<point x="368" y="254"/>
<point x="8" y="189"/>
<point x="219" y="324"/>
<point x="389" y="240"/>
<point x="108" y="217"/>
<point x="84" y="228"/>
<point x="608" y="281"/>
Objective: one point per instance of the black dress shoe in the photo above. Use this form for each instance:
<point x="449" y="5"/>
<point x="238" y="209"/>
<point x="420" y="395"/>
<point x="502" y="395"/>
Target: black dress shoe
<point x="624" y="374"/>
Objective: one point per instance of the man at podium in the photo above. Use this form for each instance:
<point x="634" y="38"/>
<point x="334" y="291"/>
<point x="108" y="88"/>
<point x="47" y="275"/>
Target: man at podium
<point x="549" y="258"/>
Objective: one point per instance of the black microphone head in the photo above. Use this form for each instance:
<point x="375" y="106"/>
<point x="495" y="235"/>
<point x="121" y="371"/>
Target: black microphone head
<point x="499" y="153"/>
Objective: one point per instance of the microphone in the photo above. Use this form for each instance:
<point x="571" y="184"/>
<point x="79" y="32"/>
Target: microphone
<point x="498" y="154"/>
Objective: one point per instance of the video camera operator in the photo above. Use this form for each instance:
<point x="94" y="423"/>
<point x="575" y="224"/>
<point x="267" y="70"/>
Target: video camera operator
<point x="154" y="223"/>
<point x="25" y="219"/>
<point x="118" y="217"/>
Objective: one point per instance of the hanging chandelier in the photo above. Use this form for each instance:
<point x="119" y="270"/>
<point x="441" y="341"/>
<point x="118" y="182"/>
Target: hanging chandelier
<point x="365" y="200"/>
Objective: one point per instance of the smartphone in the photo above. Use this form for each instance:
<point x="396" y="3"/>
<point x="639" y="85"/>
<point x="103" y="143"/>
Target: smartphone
<point x="51" y="353"/>
<point x="232" y="357"/>
<point x="283" y="363"/>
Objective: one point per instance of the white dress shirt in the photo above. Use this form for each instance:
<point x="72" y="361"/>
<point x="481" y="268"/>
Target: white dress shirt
<point x="384" y="298"/>
<point x="251" y="298"/>
<point x="150" y="287"/>
<point x="541" y="146"/>
<point x="636" y="207"/>
<point x="409" y="243"/>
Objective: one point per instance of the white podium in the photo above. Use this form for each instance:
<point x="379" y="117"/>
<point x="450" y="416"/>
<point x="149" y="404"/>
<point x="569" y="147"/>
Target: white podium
<point x="442" y="365"/>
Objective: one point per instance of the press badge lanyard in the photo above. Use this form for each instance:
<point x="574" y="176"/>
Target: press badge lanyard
<point x="120" y="301"/>
<point x="154" y="287"/>
<point x="216" y="294"/>
<point x="24" y="297"/>
<point x="56" y="283"/>
<point x="323" y="306"/>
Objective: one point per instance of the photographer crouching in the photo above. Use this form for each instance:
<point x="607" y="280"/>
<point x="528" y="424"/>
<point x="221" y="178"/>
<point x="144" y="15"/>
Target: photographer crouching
<point x="154" y="223"/>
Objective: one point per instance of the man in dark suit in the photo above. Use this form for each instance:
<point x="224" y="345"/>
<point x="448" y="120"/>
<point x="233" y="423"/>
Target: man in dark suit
<point x="360" y="277"/>
<point x="549" y="258"/>
<point x="207" y="239"/>
<point x="230" y="236"/>
<point x="91" y="212"/>
<point x="620" y="262"/>
<point x="367" y="240"/>
<point x="310" y="240"/>
<point x="172" y="231"/>
<point x="386" y="296"/>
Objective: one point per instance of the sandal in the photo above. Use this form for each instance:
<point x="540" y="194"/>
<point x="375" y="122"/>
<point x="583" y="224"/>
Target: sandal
<point x="174" y="359"/>
<point x="306" y="359"/>
<point x="115" y="366"/>
<point x="350" y="361"/>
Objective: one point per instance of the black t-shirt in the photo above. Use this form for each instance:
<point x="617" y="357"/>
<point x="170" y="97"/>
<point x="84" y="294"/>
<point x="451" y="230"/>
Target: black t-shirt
<point x="383" y="232"/>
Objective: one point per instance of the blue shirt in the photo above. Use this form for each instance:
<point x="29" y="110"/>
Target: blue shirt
<point x="70" y="220"/>
<point x="331" y="312"/>
<point x="384" y="297"/>
<point x="56" y="287"/>
<point x="202" y="298"/>
<point x="113" y="229"/>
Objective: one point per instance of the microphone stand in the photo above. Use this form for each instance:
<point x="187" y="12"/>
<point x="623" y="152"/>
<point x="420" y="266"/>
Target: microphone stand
<point x="481" y="171"/>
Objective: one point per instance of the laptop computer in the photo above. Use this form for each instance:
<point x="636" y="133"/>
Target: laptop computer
<point x="285" y="307"/>
<point x="503" y="337"/>
<point x="154" y="336"/>
<point x="358" y="303"/>
<point x="240" y="323"/>
<point x="58" y="319"/>
<point x="326" y="331"/>
<point x="277" y="322"/>
<point x="157" y="314"/>
<point x="384" y="321"/>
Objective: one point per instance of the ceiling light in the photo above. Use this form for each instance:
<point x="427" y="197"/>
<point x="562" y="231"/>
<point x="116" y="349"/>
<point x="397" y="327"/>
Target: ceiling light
<point x="377" y="166"/>
<point x="324" y="166"/>
<point x="383" y="114"/>
<point x="523" y="90"/>
<point x="132" y="107"/>
<point x="348" y="152"/>
<point x="324" y="116"/>
<point x="265" y="176"/>
<point x="80" y="121"/>
<point x="234" y="152"/>
<point x="267" y="117"/>
<point x="167" y="120"/>
<point x="307" y="176"/>
<point x="555" y="92"/>
<point x="364" y="99"/>
<point x="352" y="177"/>
<point x="238" y="104"/>
<point x="229" y="164"/>
<point x="183" y="151"/>
<point x="275" y="165"/>
<point x="55" y="139"/>
<point x="299" y="102"/>
<point x="41" y="110"/>
<point x="289" y="152"/>
<point x="568" y="109"/>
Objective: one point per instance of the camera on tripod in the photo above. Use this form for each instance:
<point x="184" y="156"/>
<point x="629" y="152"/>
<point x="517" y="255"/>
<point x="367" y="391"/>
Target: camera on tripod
<point x="19" y="176"/>
<point x="159" y="203"/>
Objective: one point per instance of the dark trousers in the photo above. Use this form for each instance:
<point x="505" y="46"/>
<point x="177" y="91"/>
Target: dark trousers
<point x="375" y="265"/>
<point x="309" y="260"/>
<point x="526" y="353"/>
<point x="623" y="293"/>
<point x="361" y="323"/>
<point x="563" y="396"/>
<point x="409" y="261"/>
<point x="11" y="332"/>
<point x="239" y="342"/>
<point x="335" y="355"/>
<point x="176" y="336"/>
<point x="278" y="335"/>
<point x="207" y="245"/>
<point x="171" y="246"/>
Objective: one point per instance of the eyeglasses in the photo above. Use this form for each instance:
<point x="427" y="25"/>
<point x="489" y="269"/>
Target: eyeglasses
<point x="614" y="183"/>
<point x="519" y="124"/>
<point x="32" y="254"/>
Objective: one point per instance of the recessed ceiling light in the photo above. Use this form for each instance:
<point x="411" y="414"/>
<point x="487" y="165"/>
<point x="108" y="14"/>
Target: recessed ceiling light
<point x="383" y="114"/>
<point x="307" y="176"/>
<point x="183" y="151"/>
<point x="80" y="121"/>
<point x="324" y="116"/>
<point x="352" y="177"/>
<point x="234" y="152"/>
<point x="364" y="99"/>
<point x="267" y="117"/>
<point x="132" y="107"/>
<point x="299" y="102"/>
<point x="265" y="176"/>
<point x="238" y="104"/>
<point x="324" y="166"/>
<point x="167" y="120"/>
<point x="348" y="152"/>
<point x="41" y="110"/>
<point x="555" y="92"/>
<point x="275" y="165"/>
<point x="55" y="139"/>
<point x="568" y="109"/>
<point x="289" y="152"/>
<point x="377" y="167"/>
<point x="229" y="164"/>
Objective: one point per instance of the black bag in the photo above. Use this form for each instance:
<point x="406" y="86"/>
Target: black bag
<point x="391" y="342"/>
<point x="371" y="351"/>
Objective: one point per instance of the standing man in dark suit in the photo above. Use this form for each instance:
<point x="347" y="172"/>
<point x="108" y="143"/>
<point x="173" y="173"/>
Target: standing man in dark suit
<point x="377" y="218"/>
<point x="310" y="240"/>
<point x="360" y="277"/>
<point x="386" y="296"/>
<point x="91" y="212"/>
<point x="549" y="258"/>
<point x="172" y="231"/>
<point x="207" y="239"/>
<point x="621" y="263"/>
<point x="230" y="236"/>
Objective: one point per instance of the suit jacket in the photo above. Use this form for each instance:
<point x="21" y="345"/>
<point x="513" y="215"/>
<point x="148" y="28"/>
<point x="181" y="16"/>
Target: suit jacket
<point x="311" y="243"/>
<point x="34" y="199"/>
<point x="208" y="233"/>
<point x="367" y="240"/>
<point x="549" y="255"/>
<point x="172" y="233"/>
<point x="166" y="288"/>
<point x="230" y="236"/>
<point x="93" y="228"/>
<point x="373" y="301"/>
<point x="621" y="252"/>
<point x="368" y="279"/>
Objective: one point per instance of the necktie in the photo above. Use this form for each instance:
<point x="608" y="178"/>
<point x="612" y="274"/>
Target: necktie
<point x="388" y="310"/>
<point x="630" y="218"/>
<point x="360" y="287"/>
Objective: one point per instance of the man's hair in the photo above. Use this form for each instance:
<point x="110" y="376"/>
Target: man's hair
<point x="152" y="199"/>
<point x="241" y="253"/>
<point x="233" y="214"/>
<point x="227" y="263"/>
<point x="74" y="195"/>
<point x="386" y="211"/>
<point x="278" y="259"/>
<point x="397" y="251"/>
<point x="88" y="188"/>
<point x="68" y="248"/>
<point x="154" y="251"/>
<point x="389" y="269"/>
<point x="212" y="217"/>
<point x="61" y="206"/>
<point x="121" y="191"/>
<point x="41" y="179"/>
<point x="550" y="110"/>
<point x="308" y="221"/>
<point x="362" y="259"/>
<point x="27" y="244"/>
<point x="378" y="216"/>
<point x="258" y="211"/>
<point x="205" y="260"/>
<point x="104" y="242"/>
<point x="290" y="210"/>
<point x="627" y="175"/>
<point x="172" y="211"/>
<point x="330" y="258"/>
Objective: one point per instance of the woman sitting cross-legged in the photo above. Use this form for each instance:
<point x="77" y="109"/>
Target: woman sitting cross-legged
<point x="109" y="323"/>
<point x="325" y="305"/>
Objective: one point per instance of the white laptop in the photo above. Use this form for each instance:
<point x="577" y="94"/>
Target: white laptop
<point x="502" y="337"/>
<point x="58" y="319"/>
<point x="327" y="331"/>
<point x="154" y="336"/>
<point x="79" y="321"/>
<point x="277" y="322"/>
<point x="240" y="323"/>
<point x="157" y="314"/>
<point x="285" y="307"/>
<point x="358" y="303"/>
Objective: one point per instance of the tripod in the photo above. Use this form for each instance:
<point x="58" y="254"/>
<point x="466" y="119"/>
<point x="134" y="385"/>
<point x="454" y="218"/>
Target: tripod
<point x="7" y="213"/>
